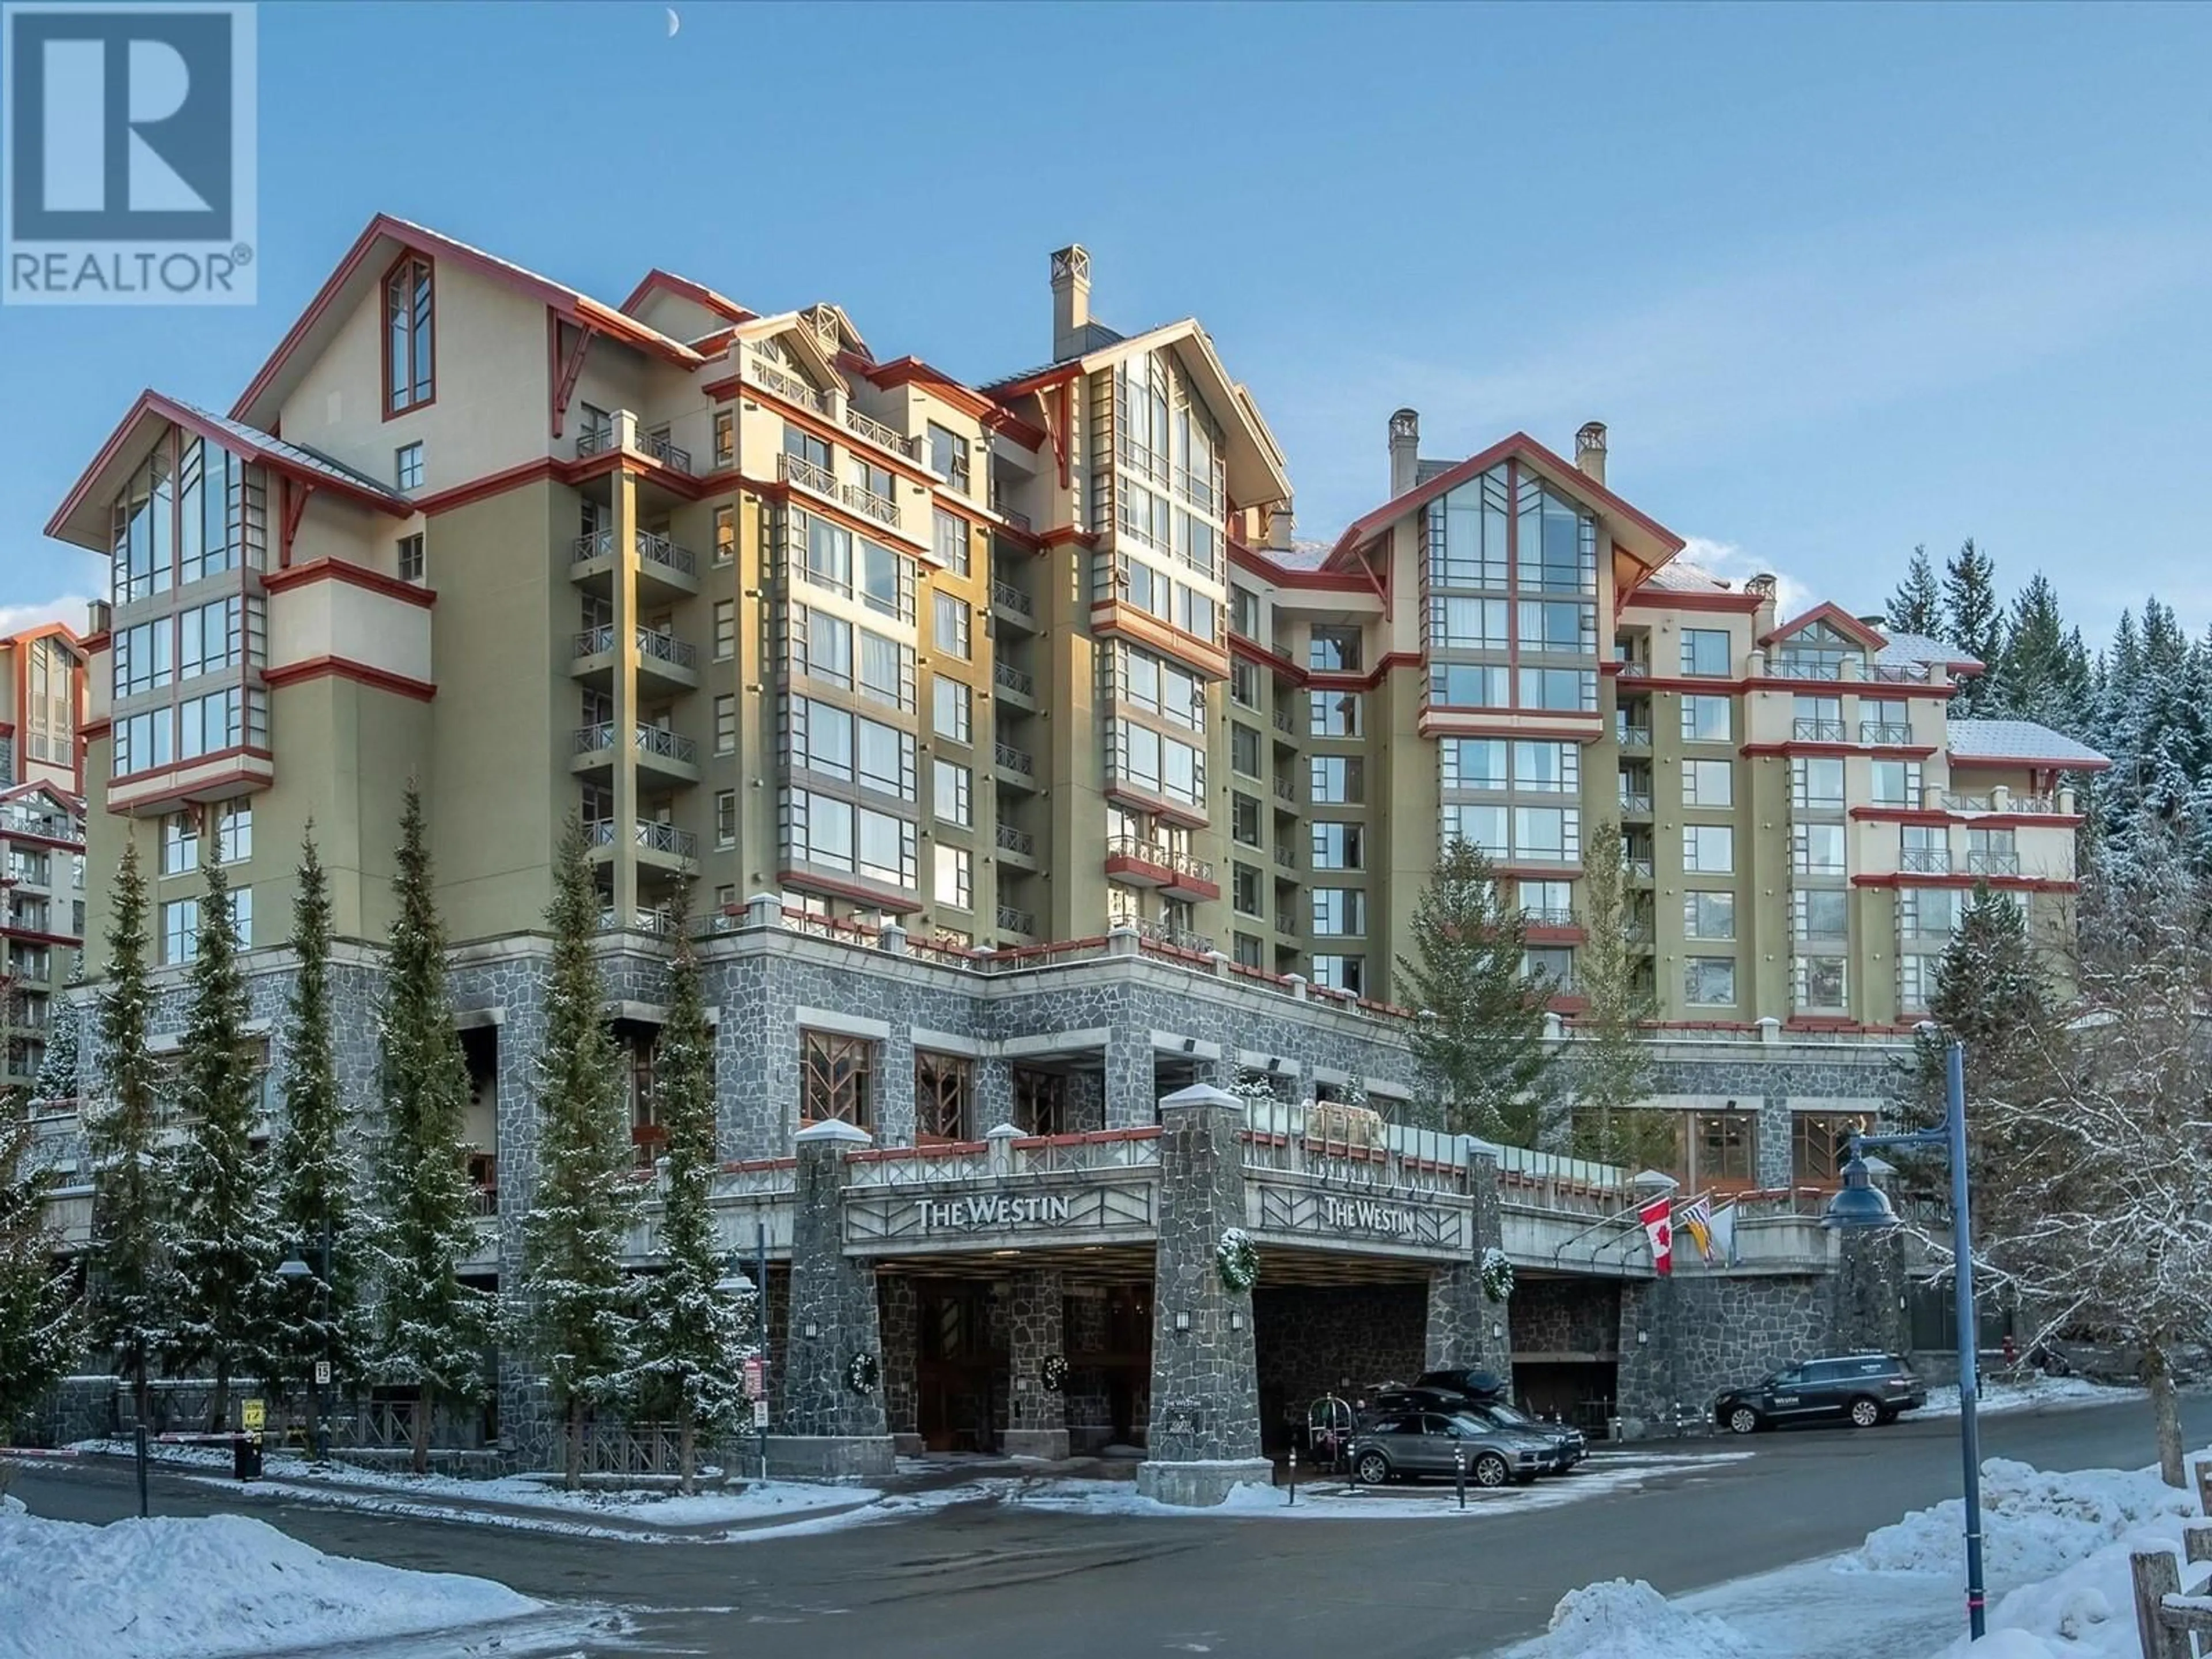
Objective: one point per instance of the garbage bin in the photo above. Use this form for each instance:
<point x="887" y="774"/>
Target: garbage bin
<point x="245" y="1456"/>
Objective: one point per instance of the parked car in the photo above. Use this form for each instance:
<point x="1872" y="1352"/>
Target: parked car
<point x="1411" y="1445"/>
<point x="1394" y="1399"/>
<point x="1464" y="1380"/>
<point x="1862" y="1389"/>
<point x="1569" y="1445"/>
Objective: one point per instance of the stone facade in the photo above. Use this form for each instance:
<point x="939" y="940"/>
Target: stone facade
<point x="1037" y="1424"/>
<point x="830" y="1422"/>
<point x="1339" y="1340"/>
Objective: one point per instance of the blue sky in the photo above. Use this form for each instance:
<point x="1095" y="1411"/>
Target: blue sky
<point x="1840" y="280"/>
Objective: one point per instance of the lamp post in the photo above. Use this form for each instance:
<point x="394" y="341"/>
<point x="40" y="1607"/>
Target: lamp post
<point x="1863" y="1207"/>
<point x="292" y="1270"/>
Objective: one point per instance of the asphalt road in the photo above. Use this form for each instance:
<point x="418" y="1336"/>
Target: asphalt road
<point x="978" y="1578"/>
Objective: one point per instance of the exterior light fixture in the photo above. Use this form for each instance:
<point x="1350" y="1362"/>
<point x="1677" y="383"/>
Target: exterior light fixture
<point x="1182" y="1321"/>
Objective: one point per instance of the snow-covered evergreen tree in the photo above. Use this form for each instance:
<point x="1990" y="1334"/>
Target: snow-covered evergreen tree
<point x="57" y="1078"/>
<point x="133" y="1280"/>
<point x="2044" y="675"/>
<point x="41" y="1321"/>
<point x="1917" y="607"/>
<point x="693" y="1338"/>
<point x="1609" y="1064"/>
<point x="1993" y="993"/>
<point x="430" y="1328"/>
<point x="573" y="1306"/>
<point x="226" y="1247"/>
<point x="320" y="1314"/>
<point x="1479" y="1039"/>
<point x="1973" y="617"/>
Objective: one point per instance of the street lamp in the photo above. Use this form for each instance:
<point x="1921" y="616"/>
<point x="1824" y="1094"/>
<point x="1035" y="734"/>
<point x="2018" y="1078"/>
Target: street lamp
<point x="292" y="1270"/>
<point x="1863" y="1207"/>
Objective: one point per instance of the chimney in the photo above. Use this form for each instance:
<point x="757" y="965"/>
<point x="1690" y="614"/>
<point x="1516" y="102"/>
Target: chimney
<point x="1764" y="620"/>
<point x="1281" y="526"/>
<point x="1071" y="301"/>
<point x="1405" y="452"/>
<point x="1589" y="449"/>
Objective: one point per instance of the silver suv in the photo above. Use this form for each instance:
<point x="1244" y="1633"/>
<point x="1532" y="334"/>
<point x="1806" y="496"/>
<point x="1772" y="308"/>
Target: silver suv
<point x="1427" y="1444"/>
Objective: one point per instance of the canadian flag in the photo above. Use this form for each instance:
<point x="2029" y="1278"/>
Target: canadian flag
<point x="1659" y="1227"/>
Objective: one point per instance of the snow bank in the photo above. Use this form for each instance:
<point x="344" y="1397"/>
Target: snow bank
<point x="167" y="1588"/>
<point x="1618" y="1620"/>
<point x="2031" y="1392"/>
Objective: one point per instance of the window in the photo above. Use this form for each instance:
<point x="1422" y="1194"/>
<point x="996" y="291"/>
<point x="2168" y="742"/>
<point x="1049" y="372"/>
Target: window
<point x="410" y="557"/>
<point x="1917" y="979"/>
<point x="803" y="445"/>
<point x="1482" y="827"/>
<point x="1334" y="650"/>
<point x="1817" y="849"/>
<point x="1550" y="964"/>
<point x="1926" y="849"/>
<point x="1244" y="684"/>
<point x="144" y="659"/>
<point x="219" y="721"/>
<point x="1821" y="913"/>
<point x="1244" y="819"/>
<point x="1819" y="982"/>
<point x="1244" y="750"/>
<point x="1154" y="683"/>
<point x="948" y="456"/>
<point x="1245" y="948"/>
<point x="1708" y="915"/>
<point x="1929" y="912"/>
<point x="952" y="710"/>
<point x="1705" y="652"/>
<point x="943" y="1086"/>
<point x="1551" y="834"/>
<point x="1469" y="625"/>
<point x="410" y="337"/>
<point x="1896" y="783"/>
<point x="1992" y="853"/>
<point x="948" y="537"/>
<point x="145" y="743"/>
<point x="726" y="535"/>
<point x="1559" y="625"/>
<point x="818" y="738"/>
<point x="1816" y="781"/>
<point x="952" y="793"/>
<point x="950" y="618"/>
<point x="1547" y="769"/>
<point x="1337" y="973"/>
<point x="886" y="670"/>
<point x="1723" y="1146"/>
<point x="886" y="758"/>
<point x="1158" y="765"/>
<point x="1244" y="612"/>
<point x="1708" y="981"/>
<point x="955" y="878"/>
<point x="1817" y="719"/>
<point x="1559" y="688"/>
<point x="232" y="822"/>
<point x="1474" y="763"/>
<point x="725" y="817"/>
<point x="1705" y="720"/>
<point x="829" y="552"/>
<point x="241" y="915"/>
<point x="725" y="724"/>
<point x="1708" y="783"/>
<point x="1557" y="543"/>
<point x="835" y="1074"/>
<point x="726" y="630"/>
<point x="1244" y="889"/>
<point x="221" y="634"/>
<point x="1332" y="713"/>
<point x="1338" y="847"/>
<point x="180" y="844"/>
<point x="1709" y="848"/>
<point x="1885" y="720"/>
<point x="1340" y="912"/>
<point x="1338" y="779"/>
<point x="180" y="929"/>
<point x="1469" y="685"/>
<point x="1820" y="1143"/>
<point x="407" y="465"/>
<point x="886" y="581"/>
<point x="726" y="436"/>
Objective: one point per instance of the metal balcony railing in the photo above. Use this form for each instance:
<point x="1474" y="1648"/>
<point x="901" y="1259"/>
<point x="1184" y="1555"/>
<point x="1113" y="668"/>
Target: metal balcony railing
<point x="660" y="741"/>
<point x="645" y="919"/>
<point x="1958" y="803"/>
<point x="595" y="441"/>
<point x="1632" y="670"/>
<point x="1159" y="932"/>
<point x="1992" y="863"/>
<point x="1817" y="730"/>
<point x="1910" y="673"/>
<point x="652" y="836"/>
<point x="1636" y="800"/>
<point x="864" y="502"/>
<point x="1284" y="723"/>
<point x="797" y="470"/>
<point x="1926" y="862"/>
<point x="669" y="454"/>
<point x="1012" y="921"/>
<point x="653" y="549"/>
<point x="595" y="739"/>
<point x="771" y="377"/>
<point x="1634" y="737"/>
<point x="1640" y="867"/>
<point x="667" y="647"/>
<point x="884" y="437"/>
<point x="1789" y="668"/>
<point x="1018" y="680"/>
<point x="1284" y="789"/>
<point x="594" y="641"/>
<point x="1547" y="916"/>
<point x="1136" y="846"/>
<point x="1015" y="760"/>
<point x="592" y="544"/>
<point x="1883" y="733"/>
<point x="1012" y="597"/>
<point x="1012" y="840"/>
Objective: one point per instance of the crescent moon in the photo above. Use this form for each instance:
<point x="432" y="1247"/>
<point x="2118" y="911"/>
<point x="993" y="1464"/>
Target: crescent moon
<point x="674" y="22"/>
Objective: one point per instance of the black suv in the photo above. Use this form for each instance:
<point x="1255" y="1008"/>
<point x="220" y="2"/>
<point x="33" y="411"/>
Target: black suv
<point x="1863" y="1389"/>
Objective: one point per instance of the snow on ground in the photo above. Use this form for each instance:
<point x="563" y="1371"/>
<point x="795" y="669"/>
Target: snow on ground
<point x="2057" y="1566"/>
<point x="167" y="1588"/>
<point x="2027" y="1392"/>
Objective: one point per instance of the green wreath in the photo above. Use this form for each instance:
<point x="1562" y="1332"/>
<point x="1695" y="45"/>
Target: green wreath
<point x="1497" y="1274"/>
<point x="1052" y="1374"/>
<point x="862" y="1375"/>
<point x="1238" y="1261"/>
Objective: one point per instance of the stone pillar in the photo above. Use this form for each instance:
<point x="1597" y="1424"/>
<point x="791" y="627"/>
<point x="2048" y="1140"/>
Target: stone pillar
<point x="1465" y="1327"/>
<point x="894" y="1088"/>
<point x="1644" y="1393"/>
<point x="995" y="1095"/>
<point x="1130" y="1101"/>
<point x="828" y="1427"/>
<point x="1205" y="1423"/>
<point x="900" y="1312"/>
<point x="1867" y="1309"/>
<point x="528" y="1427"/>
<point x="1036" y="1416"/>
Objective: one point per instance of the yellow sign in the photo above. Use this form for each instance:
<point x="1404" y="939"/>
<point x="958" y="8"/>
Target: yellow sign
<point x="251" y="1416"/>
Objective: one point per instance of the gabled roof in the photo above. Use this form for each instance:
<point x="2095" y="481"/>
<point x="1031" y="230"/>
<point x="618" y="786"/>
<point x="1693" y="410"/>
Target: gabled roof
<point x="657" y="281"/>
<point x="794" y="327"/>
<point x="2022" y="743"/>
<point x="82" y="516"/>
<point x="1908" y="650"/>
<point x="1683" y="577"/>
<point x="60" y="797"/>
<point x="364" y="266"/>
<point x="1838" y="618"/>
<point x="1647" y="541"/>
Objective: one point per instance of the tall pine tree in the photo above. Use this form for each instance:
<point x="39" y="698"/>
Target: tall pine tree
<point x="57" y="1078"/>
<point x="227" y="1249"/>
<point x="1973" y="618"/>
<point x="430" y="1327"/>
<point x="41" y="1321"/>
<point x="316" y="1215"/>
<point x="1917" y="607"/>
<point x="1609" y="1063"/>
<point x="693" y="1338"/>
<point x="574" y="1302"/>
<point x="1480" y="1041"/>
<point x="2044" y="675"/>
<point x="133" y="1280"/>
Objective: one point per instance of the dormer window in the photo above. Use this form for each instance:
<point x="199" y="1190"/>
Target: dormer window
<point x="410" y="338"/>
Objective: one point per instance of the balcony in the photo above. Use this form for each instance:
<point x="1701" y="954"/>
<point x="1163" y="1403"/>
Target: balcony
<point x="1992" y="863"/>
<point x="1543" y="916"/>
<point x="1926" y="862"/>
<point x="1284" y="722"/>
<point x="665" y="657"/>
<point x="869" y="505"/>
<point x="1017" y="846"/>
<point x="1015" y="765"/>
<point x="1635" y="803"/>
<point x="1159" y="932"/>
<point x="1630" y="670"/>
<point x="645" y="919"/>
<point x="780" y="382"/>
<point x="1137" y="862"/>
<point x="1016" y="683"/>
<point x="1883" y="734"/>
<point x="664" y="561"/>
<point x="1011" y="604"/>
<point x="52" y="826"/>
<point x="1020" y="520"/>
<point x="595" y="441"/>
<point x="1284" y="789"/>
<point x="1012" y="921"/>
<point x="803" y="474"/>
<point x="1787" y="668"/>
<point x="656" y="444"/>
<point x="1912" y="673"/>
<point x="1959" y="803"/>
<point x="1817" y="730"/>
<point x="666" y="752"/>
<point x="871" y="430"/>
<point x="665" y="844"/>
<point x="1286" y="856"/>
<point x="1638" y="867"/>
<point x="1633" y="737"/>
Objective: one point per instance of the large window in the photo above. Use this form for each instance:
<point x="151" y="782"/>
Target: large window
<point x="835" y="1074"/>
<point x="1708" y="915"/>
<point x="1341" y="973"/>
<point x="1559" y="688"/>
<point x="1817" y="849"/>
<point x="226" y="633"/>
<point x="1158" y="765"/>
<point x="1708" y="783"/>
<point x="1469" y="684"/>
<point x="1816" y="781"/>
<point x="144" y="659"/>
<point x="1158" y="686"/>
<point x="1551" y="835"/>
<point x="948" y="538"/>
<point x="180" y="929"/>
<point x="1819" y="982"/>
<point x="1549" y="768"/>
<point x="1563" y="625"/>
<point x="821" y="645"/>
<point x="1340" y="912"/>
<point x="1705" y="720"/>
<point x="1338" y="780"/>
<point x="943" y="1086"/>
<point x="1332" y="713"/>
<point x="952" y="710"/>
<point x="887" y="583"/>
<point x="886" y="670"/>
<point x="1469" y="625"/>
<point x="1481" y="826"/>
<point x="1708" y="981"/>
<point x="1723" y="1148"/>
<point x="835" y="835"/>
<point x="1557" y="542"/>
<point x="1474" y="763"/>
<point x="1821" y="913"/>
<point x="1705" y="651"/>
<point x="1338" y="847"/>
<point x="1334" y="650"/>
<point x="952" y="793"/>
<point x="954" y="877"/>
<point x="948" y="456"/>
<point x="1896" y="783"/>
<point x="410" y="336"/>
<point x="950" y="624"/>
<point x="193" y="510"/>
<point x="1821" y="1144"/>
<point x="1709" y="848"/>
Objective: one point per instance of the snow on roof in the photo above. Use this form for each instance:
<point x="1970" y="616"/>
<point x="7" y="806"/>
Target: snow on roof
<point x="2018" y="740"/>
<point x="1679" y="576"/>
<point x="1904" y="650"/>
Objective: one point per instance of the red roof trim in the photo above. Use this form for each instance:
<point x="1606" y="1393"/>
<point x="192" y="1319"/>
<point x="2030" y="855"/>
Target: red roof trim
<point x="2024" y="762"/>
<point x="911" y="370"/>
<point x="2017" y="883"/>
<point x="667" y="281"/>
<point x="1665" y="598"/>
<point x="356" y="575"/>
<point x="1829" y="612"/>
<point x="345" y="668"/>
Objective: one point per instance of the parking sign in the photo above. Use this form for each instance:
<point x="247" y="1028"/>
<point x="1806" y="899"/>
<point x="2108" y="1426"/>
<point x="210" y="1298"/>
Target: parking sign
<point x="128" y="174"/>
